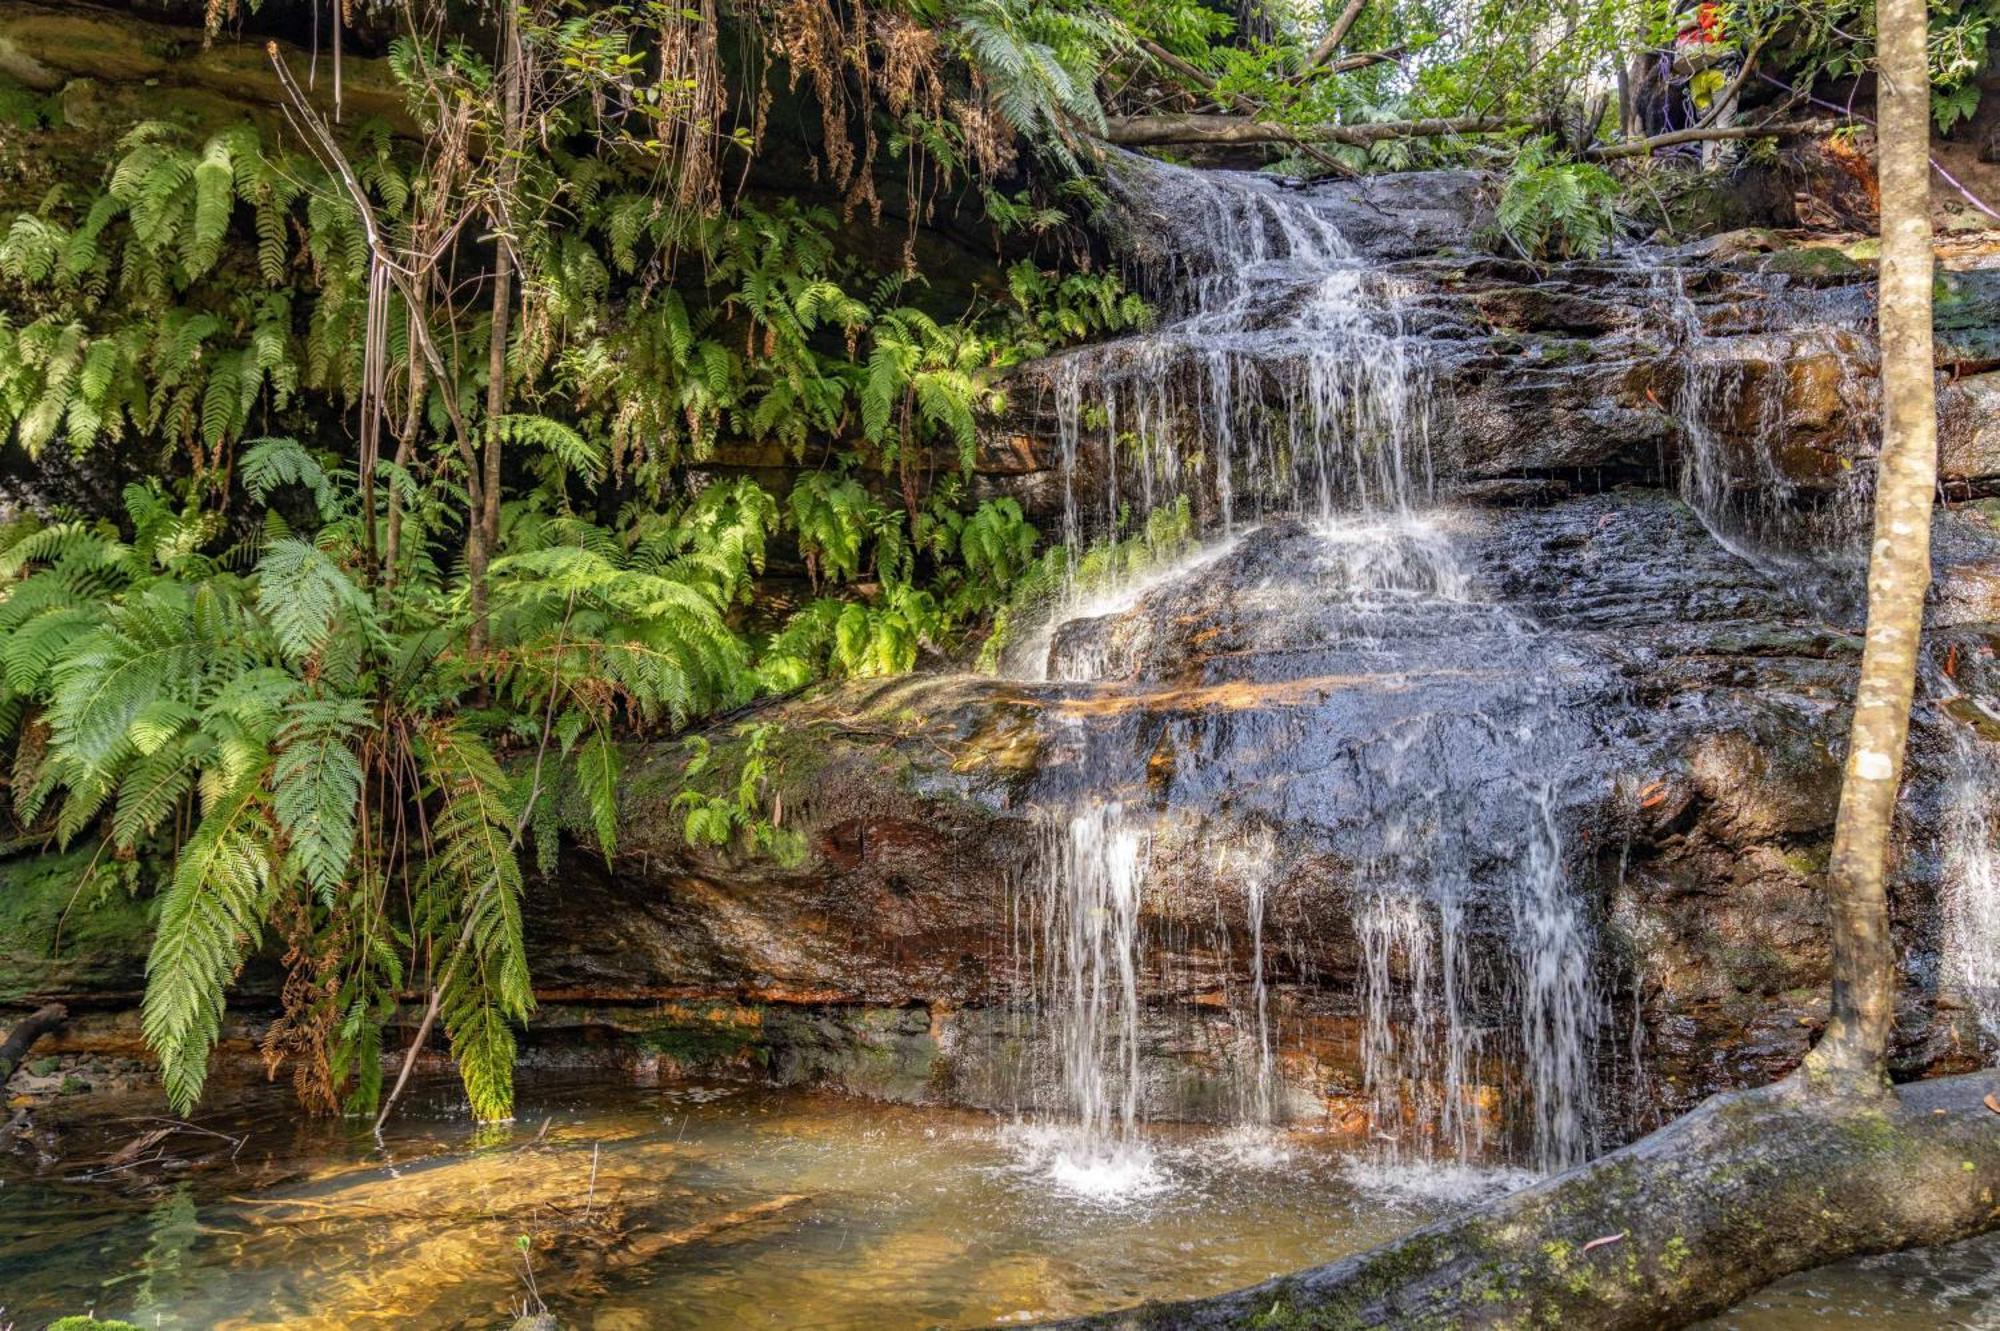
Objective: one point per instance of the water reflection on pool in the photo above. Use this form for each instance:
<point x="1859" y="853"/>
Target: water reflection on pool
<point x="729" y="1206"/>
<point x="671" y="1208"/>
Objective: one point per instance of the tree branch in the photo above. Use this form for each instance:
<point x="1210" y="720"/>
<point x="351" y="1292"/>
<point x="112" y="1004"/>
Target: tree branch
<point x="1336" y="34"/>
<point x="1201" y="80"/>
<point x="1641" y="147"/>
<point x="28" y="1030"/>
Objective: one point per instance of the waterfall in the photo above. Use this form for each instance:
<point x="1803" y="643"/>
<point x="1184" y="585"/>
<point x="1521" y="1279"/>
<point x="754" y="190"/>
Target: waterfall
<point x="1752" y="504"/>
<point x="1971" y="862"/>
<point x="1083" y="916"/>
<point x="1279" y="354"/>
<point x="1281" y="382"/>
<point x="1558" y="996"/>
<point x="1264" y="1089"/>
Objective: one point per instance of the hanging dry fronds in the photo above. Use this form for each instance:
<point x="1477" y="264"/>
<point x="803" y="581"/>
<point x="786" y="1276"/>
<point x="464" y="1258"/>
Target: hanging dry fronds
<point x="807" y="35"/>
<point x="304" y="1029"/>
<point x="911" y="55"/>
<point x="989" y="139"/>
<point x="693" y="101"/>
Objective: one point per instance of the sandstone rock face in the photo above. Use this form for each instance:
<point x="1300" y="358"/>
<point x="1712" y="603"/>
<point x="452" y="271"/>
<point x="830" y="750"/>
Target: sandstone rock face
<point x="1694" y="774"/>
<point x="1615" y="660"/>
<point x="1748" y="357"/>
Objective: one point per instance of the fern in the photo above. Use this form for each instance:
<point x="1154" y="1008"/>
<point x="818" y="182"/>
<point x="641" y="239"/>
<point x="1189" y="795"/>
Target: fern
<point x="211" y="916"/>
<point x="1555" y="209"/>
<point x="316" y="788"/>
<point x="304" y="594"/>
<point x="270" y="464"/>
<point x="473" y="882"/>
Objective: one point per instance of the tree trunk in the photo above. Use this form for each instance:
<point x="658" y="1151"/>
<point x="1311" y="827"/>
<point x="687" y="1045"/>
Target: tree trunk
<point x="1749" y="1187"/>
<point x="1899" y="568"/>
<point x="406" y="454"/>
<point x="485" y="519"/>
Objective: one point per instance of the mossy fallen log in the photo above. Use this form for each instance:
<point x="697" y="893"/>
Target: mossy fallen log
<point x="1750" y="1187"/>
<point x="44" y="47"/>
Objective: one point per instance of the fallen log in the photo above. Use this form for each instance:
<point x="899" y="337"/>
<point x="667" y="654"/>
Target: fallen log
<point x="1162" y="130"/>
<point x="1678" y="1226"/>
<point x="1168" y="60"/>
<point x="28" y="1030"/>
<point x="1641" y="147"/>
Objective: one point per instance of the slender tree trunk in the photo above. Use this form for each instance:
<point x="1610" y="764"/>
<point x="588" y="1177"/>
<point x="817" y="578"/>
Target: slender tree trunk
<point x="484" y="537"/>
<point x="406" y="453"/>
<point x="1855" y="1045"/>
<point x="496" y="396"/>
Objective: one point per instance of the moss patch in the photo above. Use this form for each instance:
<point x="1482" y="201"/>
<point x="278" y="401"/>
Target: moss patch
<point x="57" y="940"/>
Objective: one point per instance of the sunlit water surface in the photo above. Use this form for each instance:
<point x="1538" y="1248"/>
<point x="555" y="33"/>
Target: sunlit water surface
<point x="730" y="1206"/>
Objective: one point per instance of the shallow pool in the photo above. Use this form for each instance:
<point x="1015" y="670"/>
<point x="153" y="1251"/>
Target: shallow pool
<point x="728" y="1206"/>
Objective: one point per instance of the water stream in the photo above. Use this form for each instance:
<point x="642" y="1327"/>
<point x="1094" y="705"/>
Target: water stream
<point x="1281" y="398"/>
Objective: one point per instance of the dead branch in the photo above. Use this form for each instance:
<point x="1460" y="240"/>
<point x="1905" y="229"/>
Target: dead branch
<point x="1336" y="34"/>
<point x="1642" y="147"/>
<point x="29" y="1029"/>
<point x="1243" y="104"/>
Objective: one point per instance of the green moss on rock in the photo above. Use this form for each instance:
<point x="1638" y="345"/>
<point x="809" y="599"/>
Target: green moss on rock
<point x="60" y="938"/>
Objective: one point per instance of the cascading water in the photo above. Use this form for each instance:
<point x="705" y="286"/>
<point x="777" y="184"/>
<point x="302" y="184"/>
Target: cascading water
<point x="1282" y="383"/>
<point x="1084" y="915"/>
<point x="1281" y="357"/>
<point x="1751" y="502"/>
<point x="1969" y="833"/>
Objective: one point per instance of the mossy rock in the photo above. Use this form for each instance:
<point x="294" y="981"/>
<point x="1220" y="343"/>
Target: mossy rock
<point x="1965" y="314"/>
<point x="61" y="937"/>
<point x="1813" y="264"/>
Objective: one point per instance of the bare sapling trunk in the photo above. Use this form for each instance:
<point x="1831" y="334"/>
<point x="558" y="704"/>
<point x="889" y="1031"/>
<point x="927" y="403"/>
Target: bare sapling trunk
<point x="483" y="527"/>
<point x="1855" y="1046"/>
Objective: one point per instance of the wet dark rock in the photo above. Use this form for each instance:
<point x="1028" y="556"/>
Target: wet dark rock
<point x="1711" y="717"/>
<point x="1754" y="345"/>
<point x="1693" y="759"/>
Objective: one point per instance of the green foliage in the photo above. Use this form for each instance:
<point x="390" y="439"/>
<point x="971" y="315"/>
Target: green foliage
<point x="1115" y="557"/>
<point x="471" y="892"/>
<point x="1555" y="209"/>
<point x="139" y="327"/>
<point x="1836" y="39"/>
<point x="324" y="713"/>
<point x="1039" y="63"/>
<point x="738" y="813"/>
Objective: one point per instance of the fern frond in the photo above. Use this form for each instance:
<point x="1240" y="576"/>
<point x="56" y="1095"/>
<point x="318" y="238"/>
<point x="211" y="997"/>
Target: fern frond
<point x="211" y="916"/>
